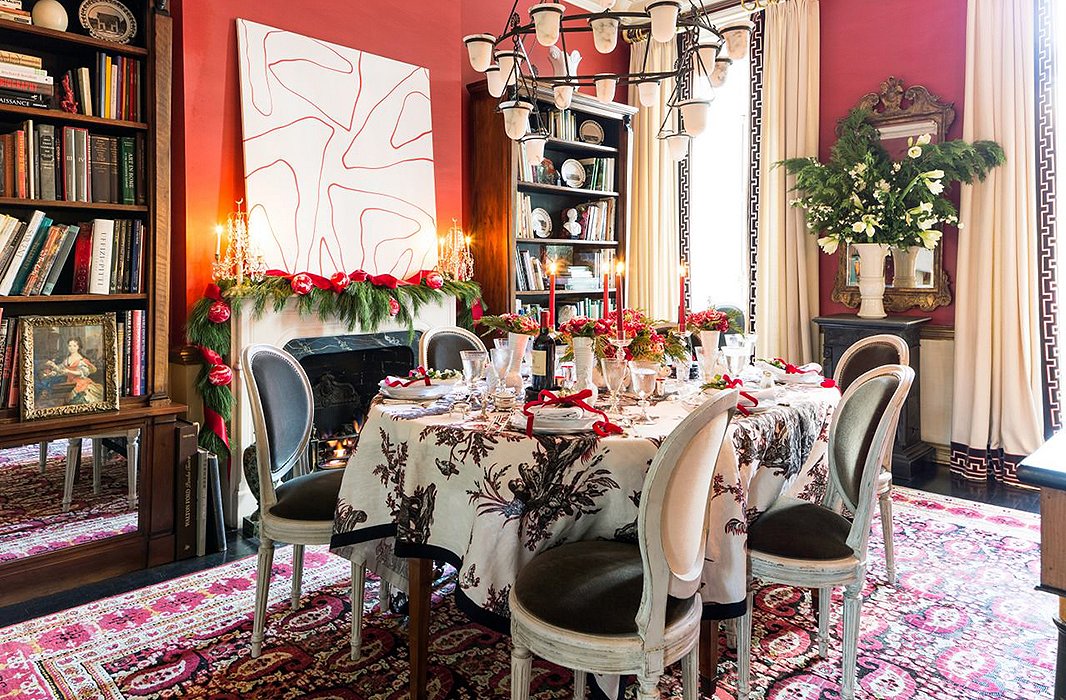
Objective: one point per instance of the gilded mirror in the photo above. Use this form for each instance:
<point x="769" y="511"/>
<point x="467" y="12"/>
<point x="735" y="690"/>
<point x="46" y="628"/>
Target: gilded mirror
<point x="913" y="277"/>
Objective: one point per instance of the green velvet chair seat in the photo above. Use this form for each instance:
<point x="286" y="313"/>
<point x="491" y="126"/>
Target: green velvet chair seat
<point x="589" y="587"/>
<point x="801" y="530"/>
<point x="309" y="497"/>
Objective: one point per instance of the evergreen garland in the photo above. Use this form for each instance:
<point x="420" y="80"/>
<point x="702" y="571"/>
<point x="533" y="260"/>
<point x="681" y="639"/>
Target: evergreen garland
<point x="361" y="305"/>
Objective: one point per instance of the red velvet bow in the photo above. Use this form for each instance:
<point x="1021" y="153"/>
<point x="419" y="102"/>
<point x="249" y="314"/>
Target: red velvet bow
<point x="317" y="280"/>
<point x="828" y="383"/>
<point x="213" y="292"/>
<point x="793" y="369"/>
<point x="734" y="383"/>
<point x="418" y="374"/>
<point x="603" y="427"/>
<point x="386" y="280"/>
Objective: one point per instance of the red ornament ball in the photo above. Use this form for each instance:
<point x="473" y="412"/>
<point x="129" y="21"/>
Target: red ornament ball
<point x="434" y="280"/>
<point x="220" y="375"/>
<point x="339" y="281"/>
<point x="218" y="312"/>
<point x="394" y="307"/>
<point x="301" y="283"/>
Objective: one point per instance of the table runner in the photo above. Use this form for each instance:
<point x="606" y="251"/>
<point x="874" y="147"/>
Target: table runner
<point x="487" y="498"/>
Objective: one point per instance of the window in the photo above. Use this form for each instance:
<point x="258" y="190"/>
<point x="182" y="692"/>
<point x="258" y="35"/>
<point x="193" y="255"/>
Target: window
<point x="718" y="196"/>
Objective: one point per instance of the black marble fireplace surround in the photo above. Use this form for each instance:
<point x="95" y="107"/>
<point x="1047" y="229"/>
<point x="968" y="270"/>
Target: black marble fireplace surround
<point x="345" y="371"/>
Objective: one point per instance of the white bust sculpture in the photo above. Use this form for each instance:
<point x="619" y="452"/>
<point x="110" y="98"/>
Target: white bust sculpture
<point x="571" y="226"/>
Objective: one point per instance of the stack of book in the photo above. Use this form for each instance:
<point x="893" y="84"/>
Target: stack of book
<point x="599" y="174"/>
<point x="524" y="222"/>
<point x="105" y="256"/>
<point x="111" y="89"/>
<point x="579" y="278"/>
<point x="42" y="161"/>
<point x="23" y="80"/>
<point x="12" y="11"/>
<point x="597" y="220"/>
<point x="562" y="125"/>
<point x="529" y="273"/>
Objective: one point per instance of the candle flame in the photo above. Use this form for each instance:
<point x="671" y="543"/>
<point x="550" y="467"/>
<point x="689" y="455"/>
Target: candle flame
<point x="684" y="270"/>
<point x="218" y="230"/>
<point x="552" y="268"/>
<point x="620" y="267"/>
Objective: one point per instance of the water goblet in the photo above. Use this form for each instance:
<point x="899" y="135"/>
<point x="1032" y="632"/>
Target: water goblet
<point x="736" y="359"/>
<point x="614" y="374"/>
<point x="501" y="362"/>
<point x="643" y="376"/>
<point x="474" y="362"/>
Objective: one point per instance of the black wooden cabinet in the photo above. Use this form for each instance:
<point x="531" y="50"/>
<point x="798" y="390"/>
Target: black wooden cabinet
<point x="911" y="456"/>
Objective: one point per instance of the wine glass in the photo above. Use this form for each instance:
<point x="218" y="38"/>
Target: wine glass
<point x="473" y="370"/>
<point x="643" y="375"/>
<point x="736" y="359"/>
<point x="614" y="374"/>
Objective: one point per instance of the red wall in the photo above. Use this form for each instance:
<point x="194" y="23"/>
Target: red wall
<point x="864" y="42"/>
<point x="208" y="164"/>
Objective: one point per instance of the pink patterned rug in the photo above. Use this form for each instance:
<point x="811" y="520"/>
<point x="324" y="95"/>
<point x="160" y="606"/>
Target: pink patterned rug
<point x="965" y="622"/>
<point x="32" y="520"/>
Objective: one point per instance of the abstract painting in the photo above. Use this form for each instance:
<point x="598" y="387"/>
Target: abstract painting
<point x="338" y="156"/>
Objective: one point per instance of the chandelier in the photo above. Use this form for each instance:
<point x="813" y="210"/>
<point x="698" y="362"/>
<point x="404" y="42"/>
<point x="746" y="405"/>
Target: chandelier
<point x="243" y="258"/>
<point x="453" y="254"/>
<point x="706" y="53"/>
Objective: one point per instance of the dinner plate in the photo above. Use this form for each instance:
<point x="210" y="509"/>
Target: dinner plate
<point x="573" y="173"/>
<point x="419" y="392"/>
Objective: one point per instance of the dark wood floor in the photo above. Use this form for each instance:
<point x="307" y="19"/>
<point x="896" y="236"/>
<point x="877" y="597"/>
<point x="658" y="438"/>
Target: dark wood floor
<point x="941" y="482"/>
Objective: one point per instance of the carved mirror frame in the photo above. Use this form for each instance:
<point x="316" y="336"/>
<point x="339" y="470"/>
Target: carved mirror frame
<point x="897" y="112"/>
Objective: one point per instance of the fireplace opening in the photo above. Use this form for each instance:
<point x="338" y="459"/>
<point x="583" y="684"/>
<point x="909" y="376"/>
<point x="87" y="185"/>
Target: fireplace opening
<point x="345" y="372"/>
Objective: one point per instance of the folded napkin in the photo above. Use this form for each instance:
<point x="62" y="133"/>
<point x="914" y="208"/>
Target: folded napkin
<point x="788" y="373"/>
<point x="559" y="413"/>
<point x="752" y="398"/>
<point x="547" y="401"/>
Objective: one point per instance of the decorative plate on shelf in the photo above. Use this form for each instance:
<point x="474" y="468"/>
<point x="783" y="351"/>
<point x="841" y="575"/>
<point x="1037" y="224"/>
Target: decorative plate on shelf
<point x="590" y="131"/>
<point x="542" y="223"/>
<point x="109" y="20"/>
<point x="573" y="173"/>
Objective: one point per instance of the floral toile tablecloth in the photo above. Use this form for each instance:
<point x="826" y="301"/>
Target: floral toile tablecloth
<point x="486" y="498"/>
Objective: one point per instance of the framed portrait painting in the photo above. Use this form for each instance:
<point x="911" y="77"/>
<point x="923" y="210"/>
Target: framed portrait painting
<point x="68" y="365"/>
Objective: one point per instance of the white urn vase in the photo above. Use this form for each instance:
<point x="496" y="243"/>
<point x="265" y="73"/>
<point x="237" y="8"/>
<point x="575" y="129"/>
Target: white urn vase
<point x="871" y="279"/>
<point x="904" y="263"/>
<point x="584" y="365"/>
<point x="709" y="346"/>
<point x="517" y="342"/>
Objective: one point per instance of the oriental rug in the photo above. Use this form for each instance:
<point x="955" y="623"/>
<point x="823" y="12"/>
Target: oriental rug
<point x="964" y="622"/>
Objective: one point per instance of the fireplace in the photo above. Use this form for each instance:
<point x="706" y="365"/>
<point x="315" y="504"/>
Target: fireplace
<point x="304" y="336"/>
<point x="344" y="372"/>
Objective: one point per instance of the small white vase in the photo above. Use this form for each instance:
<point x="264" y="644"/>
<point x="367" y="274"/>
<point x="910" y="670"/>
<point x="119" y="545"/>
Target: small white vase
<point x="584" y="364"/>
<point x="517" y="342"/>
<point x="50" y="15"/>
<point x="871" y="279"/>
<point x="709" y="346"/>
<point x="904" y="262"/>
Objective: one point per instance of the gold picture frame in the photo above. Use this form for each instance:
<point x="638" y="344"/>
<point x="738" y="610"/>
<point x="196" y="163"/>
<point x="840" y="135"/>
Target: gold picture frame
<point x="68" y="365"/>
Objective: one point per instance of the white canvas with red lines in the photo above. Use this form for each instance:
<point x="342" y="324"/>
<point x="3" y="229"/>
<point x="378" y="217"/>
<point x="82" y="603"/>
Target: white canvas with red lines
<point x="338" y="156"/>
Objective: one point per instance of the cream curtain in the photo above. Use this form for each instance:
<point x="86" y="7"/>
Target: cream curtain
<point x="997" y="407"/>
<point x="786" y="296"/>
<point x="654" y="246"/>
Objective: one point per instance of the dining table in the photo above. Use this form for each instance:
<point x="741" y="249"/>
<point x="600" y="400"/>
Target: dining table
<point x="476" y="490"/>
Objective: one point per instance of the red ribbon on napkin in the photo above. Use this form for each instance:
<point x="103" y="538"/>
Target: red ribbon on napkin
<point x="418" y="374"/>
<point x="602" y="428"/>
<point x="733" y="384"/>
<point x="793" y="369"/>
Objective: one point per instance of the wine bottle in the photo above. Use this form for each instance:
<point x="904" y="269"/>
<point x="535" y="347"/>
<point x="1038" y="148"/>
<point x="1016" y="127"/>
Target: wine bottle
<point x="543" y="357"/>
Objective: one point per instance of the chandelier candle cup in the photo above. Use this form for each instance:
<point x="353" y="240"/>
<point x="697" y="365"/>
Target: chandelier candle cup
<point x="694" y="113"/>
<point x="737" y="37"/>
<point x="534" y="143"/>
<point x="606" y="84"/>
<point x="496" y="80"/>
<point x="564" y="94"/>
<point x="516" y="118"/>
<point x="664" y="19"/>
<point x="648" y="93"/>
<point x="604" y="33"/>
<point x="704" y="57"/>
<point x="510" y="63"/>
<point x="479" y="50"/>
<point x="547" y="19"/>
<point x="720" y="71"/>
<point x="678" y="145"/>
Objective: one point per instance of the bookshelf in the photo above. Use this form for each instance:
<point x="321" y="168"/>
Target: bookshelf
<point x="151" y="410"/>
<point x="500" y="211"/>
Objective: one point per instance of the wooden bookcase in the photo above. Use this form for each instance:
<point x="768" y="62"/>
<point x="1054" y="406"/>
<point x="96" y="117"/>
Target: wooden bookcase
<point x="496" y="191"/>
<point x="153" y="542"/>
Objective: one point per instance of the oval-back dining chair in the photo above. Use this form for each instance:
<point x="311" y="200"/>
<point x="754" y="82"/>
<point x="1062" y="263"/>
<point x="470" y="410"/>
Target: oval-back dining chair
<point x="299" y="511"/>
<point x="619" y="608"/>
<point x="799" y="543"/>
<point x="439" y="348"/>
<point x="859" y="358"/>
